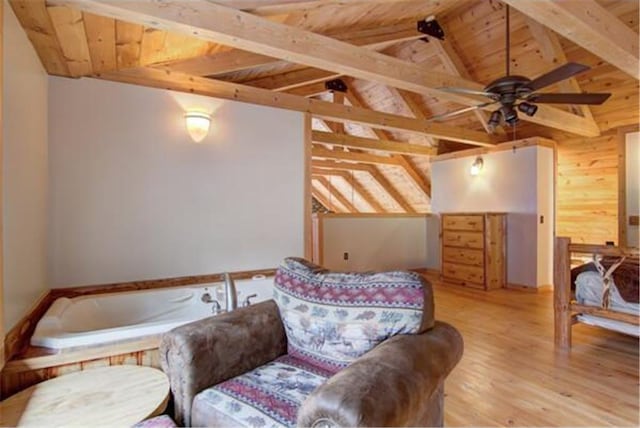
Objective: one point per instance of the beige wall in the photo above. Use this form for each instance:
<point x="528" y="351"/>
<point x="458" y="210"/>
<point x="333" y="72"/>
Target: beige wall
<point x="24" y="172"/>
<point x="132" y="197"/>
<point x="375" y="243"/>
<point x="509" y="182"/>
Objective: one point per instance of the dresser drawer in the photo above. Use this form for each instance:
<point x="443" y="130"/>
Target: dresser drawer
<point x="463" y="256"/>
<point x="463" y="239"/>
<point x="463" y="273"/>
<point x="463" y="222"/>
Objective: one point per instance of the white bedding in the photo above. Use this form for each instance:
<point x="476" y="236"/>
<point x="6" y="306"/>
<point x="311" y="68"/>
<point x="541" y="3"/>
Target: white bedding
<point x="589" y="287"/>
<point x="619" y="326"/>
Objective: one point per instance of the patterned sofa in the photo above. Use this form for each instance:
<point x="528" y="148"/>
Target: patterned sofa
<point x="331" y="349"/>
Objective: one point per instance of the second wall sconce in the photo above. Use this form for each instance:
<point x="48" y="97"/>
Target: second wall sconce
<point x="476" y="166"/>
<point x="198" y="124"/>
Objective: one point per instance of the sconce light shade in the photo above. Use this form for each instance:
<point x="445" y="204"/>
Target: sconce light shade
<point x="197" y="125"/>
<point x="477" y="165"/>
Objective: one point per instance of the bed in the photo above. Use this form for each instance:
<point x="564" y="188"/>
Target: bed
<point x="602" y="292"/>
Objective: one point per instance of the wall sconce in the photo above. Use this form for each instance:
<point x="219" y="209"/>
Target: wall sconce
<point x="197" y="125"/>
<point x="476" y="166"/>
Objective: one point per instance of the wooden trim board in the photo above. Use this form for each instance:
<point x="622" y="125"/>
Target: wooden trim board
<point x="370" y="215"/>
<point x="511" y="145"/>
<point x="17" y="339"/>
<point x="155" y="283"/>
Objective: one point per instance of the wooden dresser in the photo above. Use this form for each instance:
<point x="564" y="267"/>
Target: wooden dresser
<point x="474" y="249"/>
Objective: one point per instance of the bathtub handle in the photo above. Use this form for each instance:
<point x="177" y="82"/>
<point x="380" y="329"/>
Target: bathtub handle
<point x="181" y="298"/>
<point x="247" y="300"/>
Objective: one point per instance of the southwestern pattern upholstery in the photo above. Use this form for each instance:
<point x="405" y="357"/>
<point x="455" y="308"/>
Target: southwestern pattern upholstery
<point x="336" y="350"/>
<point x="333" y="318"/>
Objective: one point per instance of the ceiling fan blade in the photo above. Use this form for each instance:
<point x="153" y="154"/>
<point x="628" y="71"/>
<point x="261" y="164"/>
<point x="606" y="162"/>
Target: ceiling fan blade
<point x="465" y="91"/>
<point x="557" y="74"/>
<point x="457" y="112"/>
<point x="569" y="98"/>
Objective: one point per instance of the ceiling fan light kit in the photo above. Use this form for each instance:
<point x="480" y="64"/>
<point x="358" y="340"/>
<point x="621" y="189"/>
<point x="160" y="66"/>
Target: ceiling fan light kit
<point x="515" y="93"/>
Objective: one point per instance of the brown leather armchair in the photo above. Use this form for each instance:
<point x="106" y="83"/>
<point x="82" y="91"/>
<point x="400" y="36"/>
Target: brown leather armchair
<point x="224" y="371"/>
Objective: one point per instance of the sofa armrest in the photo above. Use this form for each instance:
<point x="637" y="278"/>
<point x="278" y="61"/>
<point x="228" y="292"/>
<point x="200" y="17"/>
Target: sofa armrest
<point x="201" y="354"/>
<point x="391" y="385"/>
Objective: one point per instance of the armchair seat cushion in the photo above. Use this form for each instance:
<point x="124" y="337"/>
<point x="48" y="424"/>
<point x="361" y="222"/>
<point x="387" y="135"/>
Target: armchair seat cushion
<point x="268" y="396"/>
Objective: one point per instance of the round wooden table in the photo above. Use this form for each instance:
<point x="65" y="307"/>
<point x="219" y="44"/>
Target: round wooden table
<point x="114" y="395"/>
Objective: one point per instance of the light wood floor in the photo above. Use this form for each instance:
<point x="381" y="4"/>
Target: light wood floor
<point x="511" y="375"/>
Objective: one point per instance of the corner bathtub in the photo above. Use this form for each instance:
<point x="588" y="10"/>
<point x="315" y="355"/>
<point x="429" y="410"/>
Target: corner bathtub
<point x="103" y="318"/>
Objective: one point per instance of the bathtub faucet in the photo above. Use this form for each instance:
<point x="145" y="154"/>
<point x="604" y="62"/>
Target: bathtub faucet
<point x="230" y="294"/>
<point x="215" y="308"/>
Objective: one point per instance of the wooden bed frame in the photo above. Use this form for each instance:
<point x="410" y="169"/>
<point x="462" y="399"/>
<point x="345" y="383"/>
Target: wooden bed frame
<point x="566" y="310"/>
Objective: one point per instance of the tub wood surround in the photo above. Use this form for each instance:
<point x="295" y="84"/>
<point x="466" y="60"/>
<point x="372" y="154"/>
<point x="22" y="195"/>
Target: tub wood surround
<point x="27" y="364"/>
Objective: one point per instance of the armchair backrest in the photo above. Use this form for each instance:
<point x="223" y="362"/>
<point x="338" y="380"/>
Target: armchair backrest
<point x="332" y="318"/>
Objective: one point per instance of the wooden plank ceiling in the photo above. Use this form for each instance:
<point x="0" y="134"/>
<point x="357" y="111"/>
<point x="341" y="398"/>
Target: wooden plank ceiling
<point x="371" y="145"/>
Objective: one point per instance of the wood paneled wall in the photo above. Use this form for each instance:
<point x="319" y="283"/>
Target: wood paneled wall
<point x="587" y="198"/>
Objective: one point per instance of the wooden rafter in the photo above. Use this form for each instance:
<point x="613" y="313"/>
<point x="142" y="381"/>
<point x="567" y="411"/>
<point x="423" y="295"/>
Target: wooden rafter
<point x="336" y="193"/>
<point x="285" y="7"/>
<point x="308" y="90"/>
<point x="338" y="98"/>
<point x="339" y="113"/>
<point x="421" y="182"/>
<point x="101" y="38"/>
<point x="375" y="174"/>
<point x="319" y="152"/>
<point x="553" y="53"/>
<point x="588" y="25"/>
<point x="36" y="21"/>
<point x="328" y="204"/>
<point x="454" y="65"/>
<point x="389" y="146"/>
<point x="292" y="79"/>
<point x="355" y="184"/>
<point x="229" y="60"/>
<point x="69" y="24"/>
<point x="224" y="25"/>
<point x="406" y="98"/>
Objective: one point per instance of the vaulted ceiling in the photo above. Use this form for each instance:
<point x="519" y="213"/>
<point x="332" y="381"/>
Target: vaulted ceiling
<point x="372" y="143"/>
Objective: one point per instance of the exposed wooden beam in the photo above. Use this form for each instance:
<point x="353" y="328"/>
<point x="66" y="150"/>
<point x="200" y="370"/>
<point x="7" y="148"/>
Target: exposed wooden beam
<point x="285" y="7"/>
<point x="69" y="26"/>
<point x="338" y="98"/>
<point x="553" y="53"/>
<point x="319" y="152"/>
<point x="224" y="25"/>
<point x="339" y="113"/>
<point x="322" y="199"/>
<point x="357" y="186"/>
<point x="101" y="37"/>
<point x="421" y="182"/>
<point x="229" y="59"/>
<point x="390" y="189"/>
<point x="454" y="65"/>
<point x="292" y="79"/>
<point x="336" y="193"/>
<point x="375" y="174"/>
<point x="35" y="20"/>
<point x="389" y="146"/>
<point x="407" y="99"/>
<point x="588" y="25"/>
<point x="309" y="90"/>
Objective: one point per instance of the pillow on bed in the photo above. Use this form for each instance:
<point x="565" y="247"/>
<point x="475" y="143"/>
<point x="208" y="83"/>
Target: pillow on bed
<point x="625" y="277"/>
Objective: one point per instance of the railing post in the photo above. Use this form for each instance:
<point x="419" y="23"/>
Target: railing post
<point x="562" y="292"/>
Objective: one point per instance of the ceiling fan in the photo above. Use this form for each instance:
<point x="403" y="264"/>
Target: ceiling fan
<point x="519" y="92"/>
